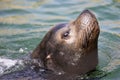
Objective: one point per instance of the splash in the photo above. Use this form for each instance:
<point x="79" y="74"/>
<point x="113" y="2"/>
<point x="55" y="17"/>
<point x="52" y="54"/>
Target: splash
<point x="9" y="65"/>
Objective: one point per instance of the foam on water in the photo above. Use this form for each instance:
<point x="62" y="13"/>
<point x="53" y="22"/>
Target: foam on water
<point x="9" y="65"/>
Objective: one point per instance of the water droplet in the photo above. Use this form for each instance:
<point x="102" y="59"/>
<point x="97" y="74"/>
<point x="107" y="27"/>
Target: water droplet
<point x="26" y="48"/>
<point x="21" y="50"/>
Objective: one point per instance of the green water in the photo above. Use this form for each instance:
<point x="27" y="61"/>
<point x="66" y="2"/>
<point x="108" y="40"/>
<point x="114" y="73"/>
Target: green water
<point x="23" y="24"/>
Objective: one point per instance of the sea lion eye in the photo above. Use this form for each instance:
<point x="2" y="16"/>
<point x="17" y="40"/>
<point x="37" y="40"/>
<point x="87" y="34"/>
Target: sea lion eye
<point x="65" y="35"/>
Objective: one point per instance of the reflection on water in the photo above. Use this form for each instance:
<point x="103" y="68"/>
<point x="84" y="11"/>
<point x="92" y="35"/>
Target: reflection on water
<point x="23" y="23"/>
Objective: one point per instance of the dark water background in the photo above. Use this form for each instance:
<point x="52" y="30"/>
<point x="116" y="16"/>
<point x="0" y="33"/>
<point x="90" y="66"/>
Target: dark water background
<point x="23" y="24"/>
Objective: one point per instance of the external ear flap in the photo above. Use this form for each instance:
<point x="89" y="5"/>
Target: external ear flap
<point x="88" y="27"/>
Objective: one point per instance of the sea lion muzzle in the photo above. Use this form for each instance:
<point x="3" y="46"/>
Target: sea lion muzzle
<point x="70" y="47"/>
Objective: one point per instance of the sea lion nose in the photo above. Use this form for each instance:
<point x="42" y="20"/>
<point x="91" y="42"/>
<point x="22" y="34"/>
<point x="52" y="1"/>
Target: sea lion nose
<point x="85" y="19"/>
<point x="87" y="12"/>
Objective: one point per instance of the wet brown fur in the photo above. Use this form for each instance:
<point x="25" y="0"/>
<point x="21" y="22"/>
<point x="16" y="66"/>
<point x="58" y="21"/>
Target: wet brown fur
<point x="78" y="57"/>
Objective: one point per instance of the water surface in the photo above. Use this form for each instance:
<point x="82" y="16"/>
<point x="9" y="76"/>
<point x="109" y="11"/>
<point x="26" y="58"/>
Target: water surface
<point x="23" y="24"/>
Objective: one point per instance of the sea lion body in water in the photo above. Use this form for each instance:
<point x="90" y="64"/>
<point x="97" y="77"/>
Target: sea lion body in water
<point x="70" y="47"/>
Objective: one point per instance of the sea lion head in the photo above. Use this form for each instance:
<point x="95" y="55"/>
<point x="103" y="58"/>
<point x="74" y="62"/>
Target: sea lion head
<point x="70" y="47"/>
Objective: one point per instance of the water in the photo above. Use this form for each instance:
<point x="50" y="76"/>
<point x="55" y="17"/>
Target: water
<point x="23" y="24"/>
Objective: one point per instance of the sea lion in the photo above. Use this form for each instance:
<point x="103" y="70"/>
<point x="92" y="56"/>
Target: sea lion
<point x="70" y="47"/>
